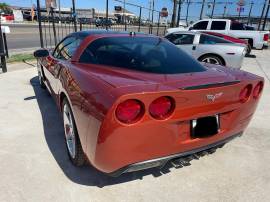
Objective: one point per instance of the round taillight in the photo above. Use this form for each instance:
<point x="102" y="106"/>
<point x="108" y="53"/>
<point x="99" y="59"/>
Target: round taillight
<point x="245" y="93"/>
<point x="162" y="108"/>
<point x="129" y="111"/>
<point x="258" y="90"/>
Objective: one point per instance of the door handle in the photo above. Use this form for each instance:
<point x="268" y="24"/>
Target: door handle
<point x="193" y="47"/>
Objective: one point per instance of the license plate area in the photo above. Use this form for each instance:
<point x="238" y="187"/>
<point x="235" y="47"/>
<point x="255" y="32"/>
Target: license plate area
<point x="205" y="127"/>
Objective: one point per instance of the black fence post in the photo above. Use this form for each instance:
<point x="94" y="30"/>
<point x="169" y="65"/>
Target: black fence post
<point x="158" y="23"/>
<point x="201" y="14"/>
<point x="107" y="13"/>
<point x="188" y="4"/>
<point x="266" y="15"/>
<point x="249" y="14"/>
<point x="74" y="15"/>
<point x="213" y="8"/>
<point x="2" y="52"/>
<point x="39" y="25"/>
<point x="54" y="30"/>
<point x="80" y="26"/>
<point x="260" y="22"/>
<point x="179" y="12"/>
<point x="5" y="44"/>
<point x="140" y="19"/>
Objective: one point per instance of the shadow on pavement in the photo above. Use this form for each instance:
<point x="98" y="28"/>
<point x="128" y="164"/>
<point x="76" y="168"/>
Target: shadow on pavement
<point x="54" y="135"/>
<point x="88" y="175"/>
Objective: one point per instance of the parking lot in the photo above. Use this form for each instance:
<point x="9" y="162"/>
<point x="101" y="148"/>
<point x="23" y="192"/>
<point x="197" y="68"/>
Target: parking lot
<point x="35" y="167"/>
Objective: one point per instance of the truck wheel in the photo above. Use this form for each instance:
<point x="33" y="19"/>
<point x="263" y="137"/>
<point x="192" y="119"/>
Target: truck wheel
<point x="248" y="49"/>
<point x="72" y="139"/>
<point x="212" y="59"/>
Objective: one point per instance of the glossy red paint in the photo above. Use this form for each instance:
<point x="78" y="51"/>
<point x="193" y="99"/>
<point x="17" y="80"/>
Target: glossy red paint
<point x="95" y="92"/>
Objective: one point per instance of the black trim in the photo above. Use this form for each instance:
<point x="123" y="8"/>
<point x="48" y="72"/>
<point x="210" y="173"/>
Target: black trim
<point x="210" y="85"/>
<point x="171" y="157"/>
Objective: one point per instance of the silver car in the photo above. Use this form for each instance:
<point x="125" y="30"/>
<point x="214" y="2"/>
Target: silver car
<point x="209" y="49"/>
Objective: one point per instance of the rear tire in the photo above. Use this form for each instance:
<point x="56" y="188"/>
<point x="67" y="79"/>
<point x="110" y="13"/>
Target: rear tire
<point x="73" y="143"/>
<point x="211" y="59"/>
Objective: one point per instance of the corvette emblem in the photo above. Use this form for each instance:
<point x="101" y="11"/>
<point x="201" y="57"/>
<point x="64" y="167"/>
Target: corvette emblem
<point x="214" y="97"/>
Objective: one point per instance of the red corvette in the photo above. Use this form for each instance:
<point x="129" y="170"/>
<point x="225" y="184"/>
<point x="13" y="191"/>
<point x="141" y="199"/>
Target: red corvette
<point x="134" y="101"/>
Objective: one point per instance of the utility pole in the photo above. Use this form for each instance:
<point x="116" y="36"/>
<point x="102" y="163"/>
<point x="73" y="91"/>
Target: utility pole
<point x="179" y="12"/>
<point x="249" y="14"/>
<point x="264" y="5"/>
<point x="124" y="15"/>
<point x="213" y="8"/>
<point x="150" y="8"/>
<point x="266" y="15"/>
<point x="202" y="9"/>
<point x="188" y="3"/>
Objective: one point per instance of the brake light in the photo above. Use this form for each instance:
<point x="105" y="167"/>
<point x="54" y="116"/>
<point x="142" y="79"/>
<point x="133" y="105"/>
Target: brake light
<point x="162" y="107"/>
<point x="258" y="90"/>
<point x="266" y="37"/>
<point x="129" y="111"/>
<point x="245" y="93"/>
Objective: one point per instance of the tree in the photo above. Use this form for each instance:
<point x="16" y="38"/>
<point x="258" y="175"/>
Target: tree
<point x="173" y="23"/>
<point x="4" y="8"/>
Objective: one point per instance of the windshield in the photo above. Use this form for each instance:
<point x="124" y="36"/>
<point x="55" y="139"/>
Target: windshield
<point x="148" y="54"/>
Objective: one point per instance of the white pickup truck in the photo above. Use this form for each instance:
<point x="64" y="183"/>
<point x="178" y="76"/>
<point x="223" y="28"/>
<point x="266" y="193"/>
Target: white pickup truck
<point x="256" y="39"/>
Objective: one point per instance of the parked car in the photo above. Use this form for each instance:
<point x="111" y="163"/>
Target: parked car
<point x="208" y="48"/>
<point x="133" y="101"/>
<point x="232" y="39"/>
<point x="104" y="23"/>
<point x="256" y="39"/>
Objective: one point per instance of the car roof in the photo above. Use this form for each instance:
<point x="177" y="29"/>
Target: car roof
<point x="86" y="33"/>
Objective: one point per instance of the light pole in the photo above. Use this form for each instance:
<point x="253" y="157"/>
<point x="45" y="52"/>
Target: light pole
<point x="249" y="14"/>
<point x="188" y="3"/>
<point x="74" y="15"/>
<point x="107" y="13"/>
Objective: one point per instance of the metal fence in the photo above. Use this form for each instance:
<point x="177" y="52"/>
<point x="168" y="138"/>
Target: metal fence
<point x="55" y="24"/>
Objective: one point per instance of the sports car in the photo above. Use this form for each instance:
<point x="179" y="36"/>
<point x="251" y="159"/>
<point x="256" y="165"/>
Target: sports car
<point x="208" y="48"/>
<point x="134" y="101"/>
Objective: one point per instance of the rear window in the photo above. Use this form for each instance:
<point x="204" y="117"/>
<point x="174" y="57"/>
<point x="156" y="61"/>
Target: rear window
<point x="148" y="54"/>
<point x="208" y="39"/>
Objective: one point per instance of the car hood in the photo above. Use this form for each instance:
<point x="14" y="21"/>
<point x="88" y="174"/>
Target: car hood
<point x="122" y="78"/>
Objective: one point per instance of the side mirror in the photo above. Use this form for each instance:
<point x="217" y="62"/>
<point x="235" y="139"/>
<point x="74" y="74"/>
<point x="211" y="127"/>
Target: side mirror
<point x="191" y="28"/>
<point x="41" y="53"/>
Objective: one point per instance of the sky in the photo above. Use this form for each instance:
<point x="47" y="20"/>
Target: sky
<point x="194" y="9"/>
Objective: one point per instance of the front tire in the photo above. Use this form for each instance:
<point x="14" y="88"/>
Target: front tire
<point x="211" y="59"/>
<point x="72" y="139"/>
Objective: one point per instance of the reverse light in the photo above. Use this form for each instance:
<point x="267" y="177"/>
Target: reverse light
<point x="162" y="107"/>
<point x="245" y="93"/>
<point x="258" y="90"/>
<point x="129" y="111"/>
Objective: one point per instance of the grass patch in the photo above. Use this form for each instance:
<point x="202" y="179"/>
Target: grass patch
<point x="20" y="57"/>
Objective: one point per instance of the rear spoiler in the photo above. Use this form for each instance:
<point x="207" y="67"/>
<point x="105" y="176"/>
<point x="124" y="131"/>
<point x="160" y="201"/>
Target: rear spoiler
<point x="210" y="85"/>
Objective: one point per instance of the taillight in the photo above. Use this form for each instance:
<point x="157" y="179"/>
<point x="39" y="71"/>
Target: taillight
<point x="245" y="93"/>
<point x="258" y="90"/>
<point x="129" y="111"/>
<point x="266" y="37"/>
<point x="162" y="107"/>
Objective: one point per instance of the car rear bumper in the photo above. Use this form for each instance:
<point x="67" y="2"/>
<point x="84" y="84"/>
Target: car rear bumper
<point x="160" y="162"/>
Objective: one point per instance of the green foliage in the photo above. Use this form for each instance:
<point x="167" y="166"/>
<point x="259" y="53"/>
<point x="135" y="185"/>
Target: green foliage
<point x="5" y="8"/>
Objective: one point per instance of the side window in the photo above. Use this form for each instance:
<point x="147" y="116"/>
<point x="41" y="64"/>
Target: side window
<point x="200" y="25"/>
<point x="237" y="26"/>
<point x="66" y="48"/>
<point x="218" y="25"/>
<point x="182" y="39"/>
<point x="207" y="39"/>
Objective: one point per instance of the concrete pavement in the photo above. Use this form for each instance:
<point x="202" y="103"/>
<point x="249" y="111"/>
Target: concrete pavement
<point x="34" y="165"/>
